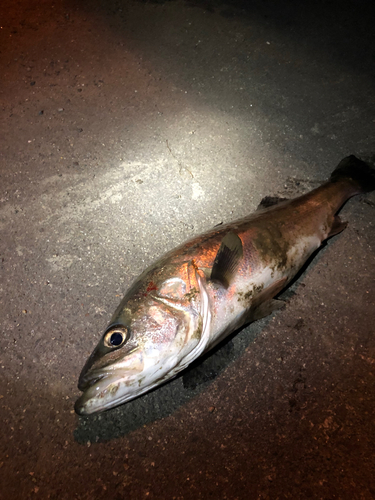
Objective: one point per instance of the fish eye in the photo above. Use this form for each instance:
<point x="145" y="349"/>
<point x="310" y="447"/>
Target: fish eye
<point x="116" y="337"/>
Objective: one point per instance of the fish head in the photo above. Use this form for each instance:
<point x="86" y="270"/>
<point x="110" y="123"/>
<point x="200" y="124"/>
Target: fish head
<point x="144" y="345"/>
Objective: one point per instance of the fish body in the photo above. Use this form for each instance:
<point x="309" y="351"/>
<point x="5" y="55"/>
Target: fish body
<point x="198" y="293"/>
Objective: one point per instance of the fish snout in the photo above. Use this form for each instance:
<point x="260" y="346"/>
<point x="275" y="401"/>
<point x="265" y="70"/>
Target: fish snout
<point x="104" y="386"/>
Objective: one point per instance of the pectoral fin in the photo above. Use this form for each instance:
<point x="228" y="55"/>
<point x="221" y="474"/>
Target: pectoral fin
<point x="227" y="259"/>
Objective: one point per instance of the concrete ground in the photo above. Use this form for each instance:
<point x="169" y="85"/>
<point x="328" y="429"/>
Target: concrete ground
<point x="127" y="127"/>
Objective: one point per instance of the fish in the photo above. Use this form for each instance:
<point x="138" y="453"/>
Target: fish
<point x="198" y="293"/>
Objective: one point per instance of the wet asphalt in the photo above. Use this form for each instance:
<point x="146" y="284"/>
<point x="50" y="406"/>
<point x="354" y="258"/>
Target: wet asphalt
<point x="126" y="128"/>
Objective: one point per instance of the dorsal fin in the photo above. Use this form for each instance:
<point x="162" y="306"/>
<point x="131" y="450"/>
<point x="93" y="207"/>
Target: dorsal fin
<point x="269" y="201"/>
<point x="227" y="259"/>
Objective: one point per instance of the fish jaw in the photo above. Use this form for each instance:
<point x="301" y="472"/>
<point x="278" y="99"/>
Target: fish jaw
<point x="127" y="379"/>
<point x="105" y="389"/>
<point x="104" y="385"/>
<point x="95" y="398"/>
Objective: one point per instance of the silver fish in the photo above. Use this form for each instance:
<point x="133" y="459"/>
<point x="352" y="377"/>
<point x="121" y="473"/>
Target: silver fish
<point x="198" y="293"/>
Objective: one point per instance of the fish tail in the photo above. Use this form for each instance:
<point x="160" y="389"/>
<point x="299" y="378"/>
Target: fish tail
<point x="360" y="174"/>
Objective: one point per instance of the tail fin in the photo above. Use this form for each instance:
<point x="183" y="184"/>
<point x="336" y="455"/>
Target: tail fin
<point x="360" y="173"/>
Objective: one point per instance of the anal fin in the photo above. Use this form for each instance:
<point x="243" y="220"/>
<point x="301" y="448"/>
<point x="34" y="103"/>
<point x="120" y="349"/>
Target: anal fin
<point x="337" y="226"/>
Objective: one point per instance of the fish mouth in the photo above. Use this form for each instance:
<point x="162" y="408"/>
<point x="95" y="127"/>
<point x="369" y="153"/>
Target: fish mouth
<point x="107" y="386"/>
<point x="86" y="380"/>
<point x="99" y="393"/>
